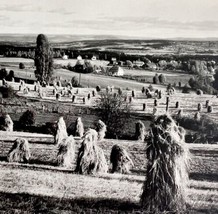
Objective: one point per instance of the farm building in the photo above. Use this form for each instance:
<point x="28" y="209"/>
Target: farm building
<point x="65" y="57"/>
<point x="80" y="61"/>
<point x="93" y="58"/>
<point x="113" y="60"/>
<point x="116" y="71"/>
<point x="79" y="58"/>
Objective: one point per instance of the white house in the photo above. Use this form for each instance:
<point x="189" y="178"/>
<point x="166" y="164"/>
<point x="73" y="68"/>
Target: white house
<point x="93" y="58"/>
<point x="79" y="58"/>
<point x="65" y="57"/>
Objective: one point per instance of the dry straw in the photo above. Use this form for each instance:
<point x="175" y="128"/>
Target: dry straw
<point x="197" y="116"/>
<point x="78" y="128"/>
<point x="19" y="152"/>
<point x="66" y="152"/>
<point x="91" y="159"/>
<point x="166" y="181"/>
<point x="61" y="132"/>
<point x="120" y="160"/>
<point x="8" y="123"/>
<point x="101" y="129"/>
<point x="140" y="131"/>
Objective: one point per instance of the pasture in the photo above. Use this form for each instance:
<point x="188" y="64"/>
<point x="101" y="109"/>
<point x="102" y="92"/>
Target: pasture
<point x="187" y="102"/>
<point x="41" y="180"/>
<point x="88" y="80"/>
<point x="42" y="185"/>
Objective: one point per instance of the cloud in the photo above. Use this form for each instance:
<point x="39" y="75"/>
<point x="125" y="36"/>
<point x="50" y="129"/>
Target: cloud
<point x="14" y="8"/>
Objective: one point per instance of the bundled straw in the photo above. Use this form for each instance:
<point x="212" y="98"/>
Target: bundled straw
<point x="78" y="128"/>
<point x="91" y="158"/>
<point x="61" y="132"/>
<point x="91" y="135"/>
<point x="66" y="152"/>
<point x="8" y="124"/>
<point x="166" y="173"/>
<point x="19" y="152"/>
<point x="140" y="131"/>
<point x="121" y="162"/>
<point x="101" y="129"/>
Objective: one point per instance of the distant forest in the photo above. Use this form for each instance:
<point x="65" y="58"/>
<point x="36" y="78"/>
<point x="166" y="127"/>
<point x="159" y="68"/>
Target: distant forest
<point x="29" y="52"/>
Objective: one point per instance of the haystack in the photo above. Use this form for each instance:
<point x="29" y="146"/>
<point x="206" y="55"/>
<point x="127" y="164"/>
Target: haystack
<point x="149" y="95"/>
<point x="61" y="132"/>
<point x="101" y="129"/>
<point x="108" y="89"/>
<point x="91" y="135"/>
<point x="140" y="131"/>
<point x="40" y="91"/>
<point x="78" y="128"/>
<point x="155" y="111"/>
<point x="209" y="109"/>
<point x="35" y="87"/>
<point x="197" y="116"/>
<point x="200" y="107"/>
<point x="144" y="106"/>
<point x="120" y="91"/>
<point x="98" y="88"/>
<point x="91" y="159"/>
<point x="207" y="103"/>
<point x="180" y="113"/>
<point x="73" y="99"/>
<point x="120" y="160"/>
<point x="160" y="94"/>
<point x="199" y="92"/>
<point x="66" y="152"/>
<point x="8" y="123"/>
<point x="166" y="181"/>
<point x="58" y="96"/>
<point x="84" y="100"/>
<point x="4" y="82"/>
<point x="155" y="102"/>
<point x="19" y="152"/>
<point x="177" y="104"/>
<point x="147" y="91"/>
<point x="143" y="90"/>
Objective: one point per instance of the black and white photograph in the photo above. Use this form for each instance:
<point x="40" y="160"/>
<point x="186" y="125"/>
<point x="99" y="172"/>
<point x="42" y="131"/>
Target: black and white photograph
<point x="109" y="106"/>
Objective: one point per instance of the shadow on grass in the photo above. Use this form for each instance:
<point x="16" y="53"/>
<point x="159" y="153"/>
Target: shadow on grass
<point x="43" y="204"/>
<point x="41" y="162"/>
<point x="213" y="177"/>
<point x="22" y="202"/>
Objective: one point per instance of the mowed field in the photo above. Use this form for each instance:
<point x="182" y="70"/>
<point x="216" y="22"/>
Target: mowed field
<point x="187" y="102"/>
<point x="45" y="187"/>
<point x="41" y="186"/>
<point x="90" y="80"/>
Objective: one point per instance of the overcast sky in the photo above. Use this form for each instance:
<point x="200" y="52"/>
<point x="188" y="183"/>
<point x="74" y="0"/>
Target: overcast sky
<point x="138" y="18"/>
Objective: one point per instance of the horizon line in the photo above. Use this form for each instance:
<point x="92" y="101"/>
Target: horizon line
<point x="121" y="37"/>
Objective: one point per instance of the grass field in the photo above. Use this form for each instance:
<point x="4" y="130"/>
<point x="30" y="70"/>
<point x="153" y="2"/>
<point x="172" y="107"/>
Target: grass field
<point x="147" y="75"/>
<point x="91" y="79"/>
<point x="56" y="191"/>
<point x="47" y="188"/>
<point x="41" y="186"/>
